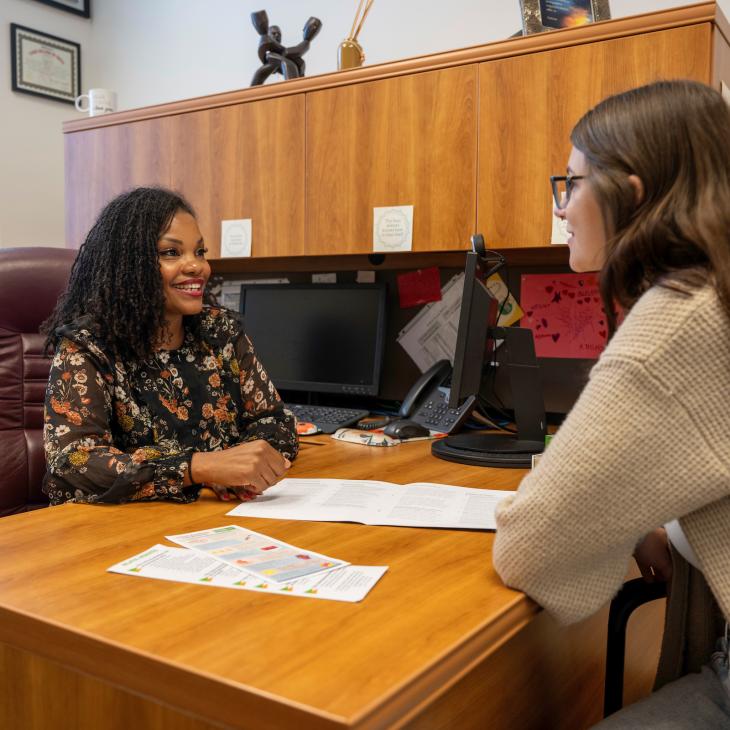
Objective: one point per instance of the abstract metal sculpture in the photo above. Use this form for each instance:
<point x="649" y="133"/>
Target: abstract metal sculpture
<point x="276" y="58"/>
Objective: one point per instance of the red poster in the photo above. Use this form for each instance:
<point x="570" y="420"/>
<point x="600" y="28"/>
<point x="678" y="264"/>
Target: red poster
<point x="565" y="314"/>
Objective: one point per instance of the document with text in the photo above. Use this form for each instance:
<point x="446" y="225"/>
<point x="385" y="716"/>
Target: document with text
<point x="256" y="553"/>
<point x="420" y="504"/>
<point x="350" y="583"/>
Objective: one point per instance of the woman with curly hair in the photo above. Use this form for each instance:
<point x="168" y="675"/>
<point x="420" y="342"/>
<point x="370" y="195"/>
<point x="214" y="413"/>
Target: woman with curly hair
<point x="641" y="465"/>
<point x="153" y="394"/>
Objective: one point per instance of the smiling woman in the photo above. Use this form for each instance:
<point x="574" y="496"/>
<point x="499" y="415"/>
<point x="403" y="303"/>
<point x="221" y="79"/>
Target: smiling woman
<point x="151" y="382"/>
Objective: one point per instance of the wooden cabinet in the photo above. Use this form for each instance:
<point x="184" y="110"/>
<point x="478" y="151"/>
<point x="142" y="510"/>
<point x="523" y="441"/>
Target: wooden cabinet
<point x="102" y="163"/>
<point x="530" y="103"/>
<point x="409" y="140"/>
<point x="468" y="137"/>
<point x="244" y="161"/>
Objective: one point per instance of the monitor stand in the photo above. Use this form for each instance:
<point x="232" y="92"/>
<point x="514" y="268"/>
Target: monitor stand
<point x="498" y="449"/>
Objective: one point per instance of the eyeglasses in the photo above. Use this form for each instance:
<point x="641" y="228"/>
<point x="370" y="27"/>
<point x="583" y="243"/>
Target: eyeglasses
<point x="562" y="188"/>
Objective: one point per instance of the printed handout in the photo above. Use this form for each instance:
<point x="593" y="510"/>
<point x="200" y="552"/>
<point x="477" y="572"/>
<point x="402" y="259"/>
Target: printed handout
<point x="350" y="583"/>
<point x="256" y="553"/>
<point x="376" y="503"/>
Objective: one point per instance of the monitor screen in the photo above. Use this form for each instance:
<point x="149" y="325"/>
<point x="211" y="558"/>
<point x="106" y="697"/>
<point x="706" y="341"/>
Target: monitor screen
<point x="478" y="313"/>
<point x="323" y="338"/>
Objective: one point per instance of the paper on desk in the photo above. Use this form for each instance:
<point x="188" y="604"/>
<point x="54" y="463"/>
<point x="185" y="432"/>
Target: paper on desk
<point x="350" y="583"/>
<point x="419" y="504"/>
<point x="431" y="335"/>
<point x="259" y="554"/>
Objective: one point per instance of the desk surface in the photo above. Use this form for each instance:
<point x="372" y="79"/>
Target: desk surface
<point x="231" y="656"/>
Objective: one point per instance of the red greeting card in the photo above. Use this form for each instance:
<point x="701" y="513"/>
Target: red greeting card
<point x="565" y="314"/>
<point x="419" y="287"/>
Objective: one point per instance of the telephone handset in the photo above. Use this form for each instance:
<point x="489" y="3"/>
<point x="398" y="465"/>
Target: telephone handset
<point x="427" y="402"/>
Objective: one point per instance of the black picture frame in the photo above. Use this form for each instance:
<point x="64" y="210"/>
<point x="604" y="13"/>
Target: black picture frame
<point x="77" y="7"/>
<point x="44" y="65"/>
<point x="541" y="15"/>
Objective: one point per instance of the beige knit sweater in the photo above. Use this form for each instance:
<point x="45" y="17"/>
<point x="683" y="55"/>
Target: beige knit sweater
<point x="648" y="441"/>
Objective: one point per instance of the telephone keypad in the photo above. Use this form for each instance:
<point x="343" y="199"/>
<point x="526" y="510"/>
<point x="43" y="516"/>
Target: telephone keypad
<point x="436" y="415"/>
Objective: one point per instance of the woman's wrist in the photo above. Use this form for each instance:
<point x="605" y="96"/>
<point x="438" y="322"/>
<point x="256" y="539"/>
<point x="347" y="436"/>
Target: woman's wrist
<point x="196" y="467"/>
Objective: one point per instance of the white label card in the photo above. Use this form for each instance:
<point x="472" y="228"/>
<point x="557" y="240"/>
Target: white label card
<point x="559" y="233"/>
<point x="236" y="238"/>
<point x="393" y="229"/>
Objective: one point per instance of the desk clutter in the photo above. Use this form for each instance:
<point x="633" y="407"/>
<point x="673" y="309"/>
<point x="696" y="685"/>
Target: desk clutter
<point x="234" y="557"/>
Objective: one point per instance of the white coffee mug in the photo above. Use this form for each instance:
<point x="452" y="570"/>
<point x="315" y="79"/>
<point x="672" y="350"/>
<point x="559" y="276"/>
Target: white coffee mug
<point x="99" y="101"/>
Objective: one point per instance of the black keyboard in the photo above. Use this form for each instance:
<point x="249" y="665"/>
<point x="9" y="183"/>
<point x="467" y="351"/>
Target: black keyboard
<point x="327" y="418"/>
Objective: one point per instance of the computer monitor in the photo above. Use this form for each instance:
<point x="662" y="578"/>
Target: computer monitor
<point x="476" y="338"/>
<point x="473" y="348"/>
<point x="321" y="338"/>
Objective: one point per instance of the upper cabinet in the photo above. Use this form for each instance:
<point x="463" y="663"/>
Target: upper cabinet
<point x="104" y="162"/>
<point x="244" y="161"/>
<point x="469" y="138"/>
<point x="530" y="103"/>
<point x="409" y="140"/>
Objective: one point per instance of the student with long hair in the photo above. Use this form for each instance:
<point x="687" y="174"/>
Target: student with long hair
<point x="641" y="464"/>
<point x="153" y="394"/>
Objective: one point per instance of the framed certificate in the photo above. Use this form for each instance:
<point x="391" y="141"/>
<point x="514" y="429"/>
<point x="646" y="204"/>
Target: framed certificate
<point x="45" y="65"/>
<point x="79" y="7"/>
<point x="541" y="15"/>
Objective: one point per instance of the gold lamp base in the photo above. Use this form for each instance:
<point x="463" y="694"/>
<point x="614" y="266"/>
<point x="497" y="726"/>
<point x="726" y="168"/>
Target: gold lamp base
<point x="349" y="54"/>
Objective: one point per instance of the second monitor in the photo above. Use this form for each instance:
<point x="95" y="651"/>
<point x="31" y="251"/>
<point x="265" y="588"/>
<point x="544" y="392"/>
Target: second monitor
<point x="475" y="343"/>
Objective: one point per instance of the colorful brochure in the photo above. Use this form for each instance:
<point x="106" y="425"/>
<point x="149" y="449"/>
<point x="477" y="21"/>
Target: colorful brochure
<point x="256" y="553"/>
<point x="376" y="503"/>
<point x="350" y="583"/>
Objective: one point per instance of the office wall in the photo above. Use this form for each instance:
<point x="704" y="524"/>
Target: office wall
<point x="31" y="144"/>
<point x="153" y="51"/>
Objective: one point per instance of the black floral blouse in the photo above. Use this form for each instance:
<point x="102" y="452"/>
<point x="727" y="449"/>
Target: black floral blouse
<point x="118" y="432"/>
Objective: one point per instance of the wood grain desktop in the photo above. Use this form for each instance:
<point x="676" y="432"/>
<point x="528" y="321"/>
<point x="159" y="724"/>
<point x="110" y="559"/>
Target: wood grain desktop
<point x="438" y="643"/>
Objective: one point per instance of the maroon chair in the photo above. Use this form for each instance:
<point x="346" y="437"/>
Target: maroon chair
<point x="31" y="280"/>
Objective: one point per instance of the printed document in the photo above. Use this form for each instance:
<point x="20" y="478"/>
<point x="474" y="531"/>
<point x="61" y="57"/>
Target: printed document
<point x="350" y="583"/>
<point x="256" y="553"/>
<point x="376" y="503"/>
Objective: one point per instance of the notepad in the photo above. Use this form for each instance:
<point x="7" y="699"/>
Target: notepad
<point x="419" y="504"/>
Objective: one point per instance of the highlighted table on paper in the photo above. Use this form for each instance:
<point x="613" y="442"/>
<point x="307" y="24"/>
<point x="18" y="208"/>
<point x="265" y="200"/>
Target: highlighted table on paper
<point x="256" y="553"/>
<point x="419" y="504"/>
<point x="350" y="583"/>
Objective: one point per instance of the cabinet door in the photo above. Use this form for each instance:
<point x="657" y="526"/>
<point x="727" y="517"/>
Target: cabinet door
<point x="245" y="161"/>
<point x="529" y="105"/>
<point x="403" y="141"/>
<point x="102" y="163"/>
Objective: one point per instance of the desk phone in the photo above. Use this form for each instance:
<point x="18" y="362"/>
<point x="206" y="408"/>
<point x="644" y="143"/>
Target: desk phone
<point x="427" y="402"/>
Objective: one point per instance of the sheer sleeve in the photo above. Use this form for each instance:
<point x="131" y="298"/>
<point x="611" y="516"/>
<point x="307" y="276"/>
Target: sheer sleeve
<point x="265" y="416"/>
<point x="83" y="462"/>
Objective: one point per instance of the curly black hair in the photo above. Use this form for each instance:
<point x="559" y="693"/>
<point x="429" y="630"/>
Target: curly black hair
<point x="115" y="283"/>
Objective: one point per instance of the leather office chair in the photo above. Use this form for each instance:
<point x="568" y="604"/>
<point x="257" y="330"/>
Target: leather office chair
<point x="633" y="594"/>
<point x="31" y="280"/>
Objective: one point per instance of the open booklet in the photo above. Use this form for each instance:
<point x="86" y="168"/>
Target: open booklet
<point x="376" y="503"/>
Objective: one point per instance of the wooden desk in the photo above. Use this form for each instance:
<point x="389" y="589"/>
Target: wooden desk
<point x="438" y="643"/>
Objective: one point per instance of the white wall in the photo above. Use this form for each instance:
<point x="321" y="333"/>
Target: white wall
<point x="31" y="143"/>
<point x="153" y="51"/>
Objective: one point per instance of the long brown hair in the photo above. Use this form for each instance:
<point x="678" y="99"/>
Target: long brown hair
<point x="675" y="136"/>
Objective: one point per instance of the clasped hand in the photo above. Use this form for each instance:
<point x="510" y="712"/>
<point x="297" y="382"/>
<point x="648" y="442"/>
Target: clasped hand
<point x="246" y="470"/>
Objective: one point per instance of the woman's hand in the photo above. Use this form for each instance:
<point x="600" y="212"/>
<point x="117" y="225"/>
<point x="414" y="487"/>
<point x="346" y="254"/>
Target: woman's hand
<point x="225" y="493"/>
<point x="253" y="467"/>
<point x="653" y="557"/>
